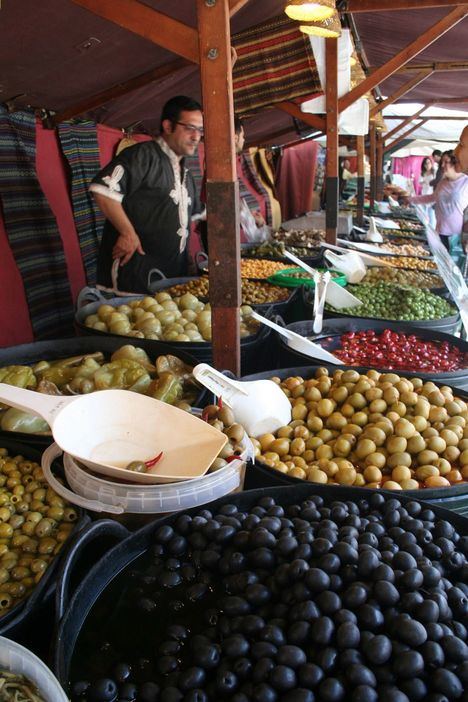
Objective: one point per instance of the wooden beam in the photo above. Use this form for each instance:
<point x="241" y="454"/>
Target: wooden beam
<point x="360" y="148"/>
<point x="404" y="136"/>
<point x="443" y="101"/>
<point x="331" y="97"/>
<point x="379" y="166"/>
<point x="235" y="6"/>
<point x="438" y="66"/>
<point x="355" y="6"/>
<point x="406" y="120"/>
<point x="405" y="55"/>
<point x="295" y="111"/>
<point x="222" y="187"/>
<point x="402" y="90"/>
<point x="148" y="23"/>
<point x="437" y="118"/>
<point x="121" y="89"/>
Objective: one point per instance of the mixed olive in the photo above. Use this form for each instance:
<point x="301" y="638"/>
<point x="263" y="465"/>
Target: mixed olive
<point x="400" y="302"/>
<point x="261" y="267"/>
<point x="418" y="264"/>
<point x="34" y="524"/>
<point x="304" y="238"/>
<point x="321" y="600"/>
<point x="402" y="249"/>
<point x="129" y="368"/>
<point x="254" y="292"/>
<point x="371" y="430"/>
<point x="417" y="279"/>
<point x="183" y="319"/>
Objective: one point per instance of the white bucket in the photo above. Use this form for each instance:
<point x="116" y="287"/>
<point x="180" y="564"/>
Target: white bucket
<point x="98" y="495"/>
<point x="17" y="659"/>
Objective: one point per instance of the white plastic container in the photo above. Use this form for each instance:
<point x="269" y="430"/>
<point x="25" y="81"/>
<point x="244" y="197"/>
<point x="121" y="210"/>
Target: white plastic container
<point x="17" y="659"/>
<point x="98" y="495"/>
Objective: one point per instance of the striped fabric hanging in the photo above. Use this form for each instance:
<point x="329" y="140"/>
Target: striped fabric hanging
<point x="80" y="146"/>
<point x="32" y="230"/>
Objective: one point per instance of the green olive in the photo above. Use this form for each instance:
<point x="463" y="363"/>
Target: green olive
<point x="137" y="467"/>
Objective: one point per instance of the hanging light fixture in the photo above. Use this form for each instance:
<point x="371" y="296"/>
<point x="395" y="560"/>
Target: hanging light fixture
<point x="309" y="10"/>
<point x="329" y="28"/>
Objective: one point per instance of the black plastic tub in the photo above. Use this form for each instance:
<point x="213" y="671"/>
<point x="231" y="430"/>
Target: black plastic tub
<point x="125" y="553"/>
<point x="254" y="349"/>
<point x="334" y="328"/>
<point x="53" y="350"/>
<point x="454" y="498"/>
<point x="315" y="259"/>
<point x="448" y="325"/>
<point x="17" y="619"/>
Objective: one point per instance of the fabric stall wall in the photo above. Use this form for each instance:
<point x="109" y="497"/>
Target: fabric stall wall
<point x="295" y="178"/>
<point x="409" y="167"/>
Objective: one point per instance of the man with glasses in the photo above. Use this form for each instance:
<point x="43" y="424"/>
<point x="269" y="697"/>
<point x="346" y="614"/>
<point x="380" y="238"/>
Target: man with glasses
<point x="149" y="199"/>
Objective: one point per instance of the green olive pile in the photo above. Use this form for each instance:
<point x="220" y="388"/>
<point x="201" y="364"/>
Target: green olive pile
<point x="223" y="419"/>
<point x="254" y="292"/>
<point x="400" y="233"/>
<point x="276" y="249"/>
<point x="418" y="264"/>
<point x="308" y="238"/>
<point x="169" y="380"/>
<point x="400" y="302"/>
<point x="183" y="319"/>
<point x="34" y="524"/>
<point x="373" y="430"/>
<point x="417" y="279"/>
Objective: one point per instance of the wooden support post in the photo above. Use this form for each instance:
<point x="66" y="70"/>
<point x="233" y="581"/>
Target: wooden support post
<point x="373" y="163"/>
<point x="360" y="148"/>
<point x="221" y="182"/>
<point x="352" y="6"/>
<point x="379" y="166"/>
<point x="332" y="185"/>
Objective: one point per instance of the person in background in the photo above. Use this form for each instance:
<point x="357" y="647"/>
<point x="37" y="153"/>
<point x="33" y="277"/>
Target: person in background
<point x="344" y="175"/>
<point x="436" y="158"/>
<point x="461" y="152"/>
<point x="426" y="177"/>
<point x="149" y="198"/>
<point x="450" y="199"/>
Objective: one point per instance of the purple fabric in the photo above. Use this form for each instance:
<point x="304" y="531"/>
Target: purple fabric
<point x="410" y="167"/>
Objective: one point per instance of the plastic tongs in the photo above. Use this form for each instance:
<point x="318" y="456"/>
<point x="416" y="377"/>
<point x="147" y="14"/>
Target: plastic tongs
<point x="322" y="281"/>
<point x="298" y="342"/>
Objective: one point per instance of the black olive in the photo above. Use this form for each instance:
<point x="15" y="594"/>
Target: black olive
<point x="331" y="690"/>
<point x="171" y="694"/>
<point x="392" y="694"/>
<point x="447" y="683"/>
<point x="127" y="692"/>
<point x="370" y="617"/>
<point x="164" y="534"/>
<point x="300" y="694"/>
<point x="408" y="664"/>
<point x="121" y="672"/>
<point x="291" y="656"/>
<point x="330" y="563"/>
<point x="317" y="580"/>
<point x="263" y="649"/>
<point x="355" y="595"/>
<point x="385" y="593"/>
<point x="149" y="692"/>
<point x="378" y="649"/>
<point x="415" y="689"/>
<point x="322" y="630"/>
<point x="167" y="664"/>
<point x="364" y="693"/>
<point x="348" y="635"/>
<point x="454" y="648"/>
<point x="102" y="690"/>
<point x="328" y="602"/>
<point x="326" y="658"/>
<point x="412" y="579"/>
<point x="411" y="632"/>
<point x="263" y="693"/>
<point x="310" y="675"/>
<point x="298" y="632"/>
<point x="304" y="611"/>
<point x="169" y="648"/>
<point x="433" y="654"/>
<point x="344" y="615"/>
<point x="206" y="656"/>
<point x="348" y="657"/>
<point x="79" y="689"/>
<point x="226" y="682"/>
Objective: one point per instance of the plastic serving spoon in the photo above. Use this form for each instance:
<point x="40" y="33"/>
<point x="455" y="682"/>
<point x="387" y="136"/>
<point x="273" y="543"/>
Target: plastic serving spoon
<point x="298" y="342"/>
<point x="336" y="295"/>
<point x="109" y="429"/>
<point x="259" y="405"/>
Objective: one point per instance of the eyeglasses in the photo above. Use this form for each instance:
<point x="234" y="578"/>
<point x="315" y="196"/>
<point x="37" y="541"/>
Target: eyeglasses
<point x="192" y="129"/>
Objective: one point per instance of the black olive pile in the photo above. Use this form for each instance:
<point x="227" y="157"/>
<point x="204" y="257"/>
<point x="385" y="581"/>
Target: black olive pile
<point x="314" y="602"/>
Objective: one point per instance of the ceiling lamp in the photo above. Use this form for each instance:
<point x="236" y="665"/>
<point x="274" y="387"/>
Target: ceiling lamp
<point x="329" y="28"/>
<point x="309" y="10"/>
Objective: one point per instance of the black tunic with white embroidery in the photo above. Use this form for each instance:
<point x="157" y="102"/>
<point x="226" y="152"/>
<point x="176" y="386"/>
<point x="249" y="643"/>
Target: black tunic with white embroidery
<point x="141" y="177"/>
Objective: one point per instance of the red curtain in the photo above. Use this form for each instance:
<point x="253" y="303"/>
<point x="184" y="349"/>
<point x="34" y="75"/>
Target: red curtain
<point x="295" y="179"/>
<point x="410" y="167"/>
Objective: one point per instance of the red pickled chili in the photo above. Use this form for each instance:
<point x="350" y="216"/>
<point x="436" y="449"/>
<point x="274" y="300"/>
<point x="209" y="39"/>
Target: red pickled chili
<point x="398" y="351"/>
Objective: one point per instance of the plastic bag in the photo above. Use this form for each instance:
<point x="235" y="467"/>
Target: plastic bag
<point x="351" y="264"/>
<point x="253" y="234"/>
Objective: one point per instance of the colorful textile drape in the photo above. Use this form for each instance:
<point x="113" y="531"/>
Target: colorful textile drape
<point x="252" y="178"/>
<point x="80" y="146"/>
<point x="295" y="178"/>
<point x="32" y="229"/>
<point x="275" y="62"/>
<point x="264" y="169"/>
<point x="409" y="167"/>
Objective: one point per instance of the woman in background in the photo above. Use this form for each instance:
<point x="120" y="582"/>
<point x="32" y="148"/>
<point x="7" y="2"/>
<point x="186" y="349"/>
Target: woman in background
<point x="427" y="175"/>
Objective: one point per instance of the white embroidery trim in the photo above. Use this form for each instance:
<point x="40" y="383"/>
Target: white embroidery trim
<point x="179" y="194"/>
<point x="113" y="180"/>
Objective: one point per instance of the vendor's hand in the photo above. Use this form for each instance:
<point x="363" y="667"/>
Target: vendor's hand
<point x="125" y="247"/>
<point x="258" y="217"/>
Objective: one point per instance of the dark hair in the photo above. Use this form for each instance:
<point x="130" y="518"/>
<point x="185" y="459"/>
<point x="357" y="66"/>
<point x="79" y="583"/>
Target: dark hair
<point x="175" y="106"/>
<point x="238" y="126"/>
<point x="451" y="154"/>
<point x="437" y="152"/>
<point x="423" y="170"/>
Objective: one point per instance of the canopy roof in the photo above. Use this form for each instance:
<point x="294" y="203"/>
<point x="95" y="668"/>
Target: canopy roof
<point x="55" y="54"/>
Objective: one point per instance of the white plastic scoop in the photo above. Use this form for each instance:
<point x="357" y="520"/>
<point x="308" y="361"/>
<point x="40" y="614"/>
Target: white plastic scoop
<point x="298" y="342"/>
<point x="373" y="233"/>
<point x="335" y="295"/>
<point x="368" y="260"/>
<point x="259" y="405"/>
<point x="109" y="429"/>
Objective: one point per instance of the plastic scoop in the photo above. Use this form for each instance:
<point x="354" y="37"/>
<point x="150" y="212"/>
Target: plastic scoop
<point x="371" y="248"/>
<point x="335" y="294"/>
<point x="373" y="233"/>
<point x="259" y="405"/>
<point x="298" y="342"/>
<point x="369" y="260"/>
<point x="322" y="281"/>
<point x="109" y="429"/>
